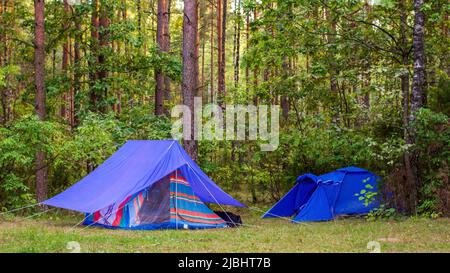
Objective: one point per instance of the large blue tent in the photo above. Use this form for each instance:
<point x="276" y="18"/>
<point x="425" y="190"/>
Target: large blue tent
<point x="321" y="198"/>
<point x="146" y="184"/>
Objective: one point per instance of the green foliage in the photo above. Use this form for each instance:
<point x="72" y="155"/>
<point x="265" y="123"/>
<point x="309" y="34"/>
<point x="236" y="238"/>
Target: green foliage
<point x="367" y="195"/>
<point x="433" y="140"/>
<point x="296" y="50"/>
<point x="382" y="213"/>
<point x="137" y="123"/>
<point x="70" y="156"/>
<point x="439" y="96"/>
<point x="19" y="144"/>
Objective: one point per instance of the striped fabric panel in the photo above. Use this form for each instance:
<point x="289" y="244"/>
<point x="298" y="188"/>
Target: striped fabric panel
<point x="120" y="213"/>
<point x="191" y="216"/>
<point x="186" y="206"/>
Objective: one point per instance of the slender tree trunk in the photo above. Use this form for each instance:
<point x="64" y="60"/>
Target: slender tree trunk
<point x="190" y="68"/>
<point x="65" y="61"/>
<point x="333" y="69"/>
<point x="255" y="70"/>
<point x="39" y="78"/>
<point x="104" y="44"/>
<point x="238" y="44"/>
<point x="417" y="93"/>
<point x="71" y="89"/>
<point x="410" y="173"/>
<point x="219" y="51"/>
<point x="197" y="51"/>
<point x="77" y="67"/>
<point x="167" y="93"/>
<point x="367" y="80"/>
<point x="211" y="69"/>
<point x="247" y="39"/>
<point x="125" y="49"/>
<point x="222" y="91"/>
<point x="5" y="94"/>
<point x="202" y="82"/>
<point x="284" y="98"/>
<point x="139" y="16"/>
<point x="163" y="41"/>
<point x="93" y="61"/>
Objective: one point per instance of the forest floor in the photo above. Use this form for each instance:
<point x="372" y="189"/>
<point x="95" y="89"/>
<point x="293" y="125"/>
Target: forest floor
<point x="54" y="234"/>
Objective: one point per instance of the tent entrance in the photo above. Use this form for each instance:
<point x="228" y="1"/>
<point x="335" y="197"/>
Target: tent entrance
<point x="156" y="204"/>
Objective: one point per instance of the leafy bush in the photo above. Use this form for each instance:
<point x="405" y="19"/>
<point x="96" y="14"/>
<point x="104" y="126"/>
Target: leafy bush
<point x="70" y="155"/>
<point x="433" y="140"/>
<point x="19" y="144"/>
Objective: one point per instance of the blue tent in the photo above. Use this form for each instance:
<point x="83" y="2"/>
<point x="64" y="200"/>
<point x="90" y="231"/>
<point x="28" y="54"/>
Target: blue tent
<point x="321" y="198"/>
<point x="146" y="184"/>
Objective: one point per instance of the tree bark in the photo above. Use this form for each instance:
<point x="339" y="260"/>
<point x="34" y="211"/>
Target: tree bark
<point x="39" y="79"/>
<point x="190" y="68"/>
<point x="211" y="69"/>
<point x="222" y="90"/>
<point x="93" y="61"/>
<point x="419" y="78"/>
<point x="163" y="41"/>
<point x="77" y="68"/>
<point x="65" y="60"/>
<point x="104" y="44"/>
<point x="417" y="95"/>
<point x="219" y="51"/>
<point x="255" y="70"/>
<point x="247" y="38"/>
<point x="367" y="76"/>
<point x="4" y="60"/>
<point x="334" y="85"/>
<point x="238" y="44"/>
<point x="284" y="97"/>
<point x="409" y="171"/>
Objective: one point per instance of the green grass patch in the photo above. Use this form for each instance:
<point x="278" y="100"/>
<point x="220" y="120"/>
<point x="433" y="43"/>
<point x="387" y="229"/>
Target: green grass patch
<point x="52" y="234"/>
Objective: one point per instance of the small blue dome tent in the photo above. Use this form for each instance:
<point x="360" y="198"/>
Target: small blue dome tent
<point x="146" y="184"/>
<point x="321" y="198"/>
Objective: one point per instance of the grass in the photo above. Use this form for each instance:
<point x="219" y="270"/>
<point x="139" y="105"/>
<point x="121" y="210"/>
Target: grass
<point x="52" y="234"/>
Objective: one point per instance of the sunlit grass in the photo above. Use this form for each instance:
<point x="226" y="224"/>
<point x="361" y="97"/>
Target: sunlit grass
<point x="52" y="234"/>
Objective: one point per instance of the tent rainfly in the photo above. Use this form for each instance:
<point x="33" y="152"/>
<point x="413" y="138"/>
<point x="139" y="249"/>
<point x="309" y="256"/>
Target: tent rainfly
<point x="146" y="184"/>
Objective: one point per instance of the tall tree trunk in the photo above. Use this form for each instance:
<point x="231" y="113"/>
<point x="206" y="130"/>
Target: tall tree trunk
<point x="334" y="87"/>
<point x="238" y="43"/>
<point x="93" y="60"/>
<point x="211" y="69"/>
<point x="71" y="89"/>
<point x="367" y="76"/>
<point x="222" y="91"/>
<point x="247" y="39"/>
<point x="4" y="60"/>
<point x="190" y="68"/>
<point x="417" y="93"/>
<point x="65" y="60"/>
<point x="39" y="81"/>
<point x="104" y="44"/>
<point x="77" y="68"/>
<point x="167" y="91"/>
<point x="255" y="70"/>
<point x="219" y="51"/>
<point x="410" y="173"/>
<point x="163" y="41"/>
<point x="139" y="16"/>
<point x="284" y="97"/>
